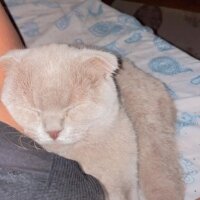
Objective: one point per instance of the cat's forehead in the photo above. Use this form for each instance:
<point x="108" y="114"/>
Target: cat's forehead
<point x="52" y="57"/>
<point x="54" y="64"/>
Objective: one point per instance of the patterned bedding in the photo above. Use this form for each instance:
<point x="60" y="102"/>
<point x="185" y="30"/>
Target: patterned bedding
<point x="92" y="22"/>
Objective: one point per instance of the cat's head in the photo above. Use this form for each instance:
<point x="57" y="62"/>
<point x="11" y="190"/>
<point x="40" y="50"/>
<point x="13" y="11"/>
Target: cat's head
<point x="56" y="92"/>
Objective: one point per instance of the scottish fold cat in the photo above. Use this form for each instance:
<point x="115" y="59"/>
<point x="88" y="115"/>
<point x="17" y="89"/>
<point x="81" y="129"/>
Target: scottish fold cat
<point x="66" y="100"/>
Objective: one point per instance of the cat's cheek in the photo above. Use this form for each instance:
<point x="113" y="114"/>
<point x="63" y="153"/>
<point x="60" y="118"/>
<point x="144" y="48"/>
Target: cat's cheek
<point x="38" y="135"/>
<point x="43" y="140"/>
<point x="70" y="135"/>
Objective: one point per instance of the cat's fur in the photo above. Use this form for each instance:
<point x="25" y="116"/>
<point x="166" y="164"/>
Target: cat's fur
<point x="153" y="115"/>
<point x="58" y="87"/>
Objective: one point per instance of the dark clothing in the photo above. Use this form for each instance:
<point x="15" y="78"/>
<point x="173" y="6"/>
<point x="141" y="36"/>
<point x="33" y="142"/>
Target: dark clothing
<point x="29" y="173"/>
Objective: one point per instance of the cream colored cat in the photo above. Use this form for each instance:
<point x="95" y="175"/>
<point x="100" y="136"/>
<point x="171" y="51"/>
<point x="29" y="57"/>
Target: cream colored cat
<point x="66" y="100"/>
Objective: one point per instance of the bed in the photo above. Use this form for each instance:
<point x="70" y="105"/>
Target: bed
<point x="94" y="23"/>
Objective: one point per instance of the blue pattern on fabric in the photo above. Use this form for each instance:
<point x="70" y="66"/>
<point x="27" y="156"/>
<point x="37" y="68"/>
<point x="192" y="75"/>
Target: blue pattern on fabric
<point x="78" y="13"/>
<point x="78" y="42"/>
<point x="49" y="4"/>
<point x="113" y="48"/>
<point x="196" y="80"/>
<point x="11" y="3"/>
<point x="30" y="29"/>
<point x="127" y="20"/>
<point x="95" y="13"/>
<point x="147" y="29"/>
<point x="167" y="66"/>
<point x="63" y="22"/>
<point x="186" y="119"/>
<point x="161" y="44"/>
<point x="171" y="92"/>
<point x="102" y="29"/>
<point x="189" y="170"/>
<point x="135" y="37"/>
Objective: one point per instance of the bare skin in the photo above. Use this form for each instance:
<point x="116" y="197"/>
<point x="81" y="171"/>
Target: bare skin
<point x="11" y="40"/>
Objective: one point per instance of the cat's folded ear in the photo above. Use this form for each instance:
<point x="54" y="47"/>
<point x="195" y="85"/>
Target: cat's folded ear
<point x="12" y="58"/>
<point x="100" y="62"/>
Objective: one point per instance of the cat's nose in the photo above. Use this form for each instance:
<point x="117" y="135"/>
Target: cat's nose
<point x="54" y="134"/>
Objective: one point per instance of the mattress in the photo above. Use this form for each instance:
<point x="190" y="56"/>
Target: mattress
<point x="94" y="23"/>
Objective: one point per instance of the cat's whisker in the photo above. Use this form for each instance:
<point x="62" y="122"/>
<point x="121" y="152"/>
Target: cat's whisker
<point x="21" y="143"/>
<point x="76" y="105"/>
<point x="37" y="147"/>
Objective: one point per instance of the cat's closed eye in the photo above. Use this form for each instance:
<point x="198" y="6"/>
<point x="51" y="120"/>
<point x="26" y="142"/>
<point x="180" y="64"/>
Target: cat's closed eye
<point x="83" y="113"/>
<point x="33" y="111"/>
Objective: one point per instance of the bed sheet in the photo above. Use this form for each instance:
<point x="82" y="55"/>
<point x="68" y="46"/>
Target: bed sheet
<point x="92" y="22"/>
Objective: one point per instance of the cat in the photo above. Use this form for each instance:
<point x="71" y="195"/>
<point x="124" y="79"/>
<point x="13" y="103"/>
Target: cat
<point x="66" y="99"/>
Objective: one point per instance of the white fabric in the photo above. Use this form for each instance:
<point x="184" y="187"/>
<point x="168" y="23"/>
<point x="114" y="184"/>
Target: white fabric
<point x="91" y="22"/>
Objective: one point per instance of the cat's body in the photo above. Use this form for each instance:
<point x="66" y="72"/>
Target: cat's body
<point x="66" y="100"/>
<point x="153" y="115"/>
